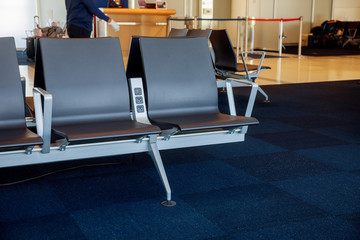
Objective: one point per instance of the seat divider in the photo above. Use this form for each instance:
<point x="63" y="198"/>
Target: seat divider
<point x="138" y="104"/>
<point x="139" y="112"/>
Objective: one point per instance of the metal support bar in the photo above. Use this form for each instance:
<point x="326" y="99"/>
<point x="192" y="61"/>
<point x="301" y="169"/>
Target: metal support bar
<point x="312" y="14"/>
<point x="140" y="139"/>
<point x="155" y="155"/>
<point x="29" y="150"/>
<point x="200" y="139"/>
<point x="64" y="143"/>
<point x="238" y="39"/>
<point x="195" y="23"/>
<point x="246" y="33"/>
<point x="168" y="134"/>
<point x="300" y="35"/>
<point x="230" y="95"/>
<point x="234" y="130"/>
<point x="232" y="82"/>
<point x="254" y="74"/>
<point x="253" y="93"/>
<point x="251" y="101"/>
<point x="43" y="116"/>
<point x="264" y="94"/>
<point x="281" y="29"/>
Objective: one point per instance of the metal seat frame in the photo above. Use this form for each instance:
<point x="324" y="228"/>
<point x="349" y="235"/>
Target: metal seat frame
<point x="53" y="93"/>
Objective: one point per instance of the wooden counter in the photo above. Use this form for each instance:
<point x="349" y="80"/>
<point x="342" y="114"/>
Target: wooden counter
<point x="135" y="22"/>
<point x="139" y="11"/>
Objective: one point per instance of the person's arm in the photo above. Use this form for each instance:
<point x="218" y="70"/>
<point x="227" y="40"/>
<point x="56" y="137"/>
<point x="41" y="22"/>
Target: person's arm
<point x="93" y="9"/>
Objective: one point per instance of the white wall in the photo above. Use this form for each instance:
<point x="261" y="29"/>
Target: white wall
<point x="238" y="8"/>
<point x="267" y="33"/>
<point x="16" y="17"/>
<point x="346" y="10"/>
<point x="178" y="6"/>
<point x="52" y="10"/>
<point x="322" y="11"/>
<point x="180" y="12"/>
<point x="222" y="9"/>
<point x="294" y="9"/>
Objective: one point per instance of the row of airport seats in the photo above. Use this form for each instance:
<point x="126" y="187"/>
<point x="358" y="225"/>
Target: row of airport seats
<point x="87" y="106"/>
<point x="224" y="57"/>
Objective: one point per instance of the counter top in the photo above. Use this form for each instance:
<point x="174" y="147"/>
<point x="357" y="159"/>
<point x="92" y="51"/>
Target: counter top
<point x="139" y="11"/>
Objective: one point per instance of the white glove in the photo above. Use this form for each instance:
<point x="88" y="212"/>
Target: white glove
<point x="114" y="25"/>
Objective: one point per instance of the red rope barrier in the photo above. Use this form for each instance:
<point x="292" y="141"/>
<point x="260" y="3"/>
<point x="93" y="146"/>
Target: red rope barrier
<point x="274" y="20"/>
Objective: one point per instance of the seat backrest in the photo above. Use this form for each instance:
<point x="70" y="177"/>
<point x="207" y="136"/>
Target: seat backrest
<point x="177" y="32"/>
<point x="179" y="76"/>
<point x="86" y="78"/>
<point x="225" y="57"/>
<point x="134" y="68"/>
<point x="11" y="95"/>
<point x="199" y="33"/>
<point x="353" y="25"/>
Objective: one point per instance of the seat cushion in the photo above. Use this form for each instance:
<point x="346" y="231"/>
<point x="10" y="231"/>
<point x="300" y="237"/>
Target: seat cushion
<point x="18" y="137"/>
<point x="105" y="129"/>
<point x="205" y="121"/>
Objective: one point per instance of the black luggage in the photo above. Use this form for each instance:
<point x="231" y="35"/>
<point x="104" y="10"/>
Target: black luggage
<point x="30" y="48"/>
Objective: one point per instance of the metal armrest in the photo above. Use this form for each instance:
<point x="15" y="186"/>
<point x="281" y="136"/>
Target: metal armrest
<point x="43" y="116"/>
<point x="252" y="97"/>
<point x="229" y="83"/>
<point x="256" y="73"/>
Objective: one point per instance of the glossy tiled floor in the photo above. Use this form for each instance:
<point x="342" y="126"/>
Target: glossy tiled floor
<point x="295" y="69"/>
<point x="288" y="69"/>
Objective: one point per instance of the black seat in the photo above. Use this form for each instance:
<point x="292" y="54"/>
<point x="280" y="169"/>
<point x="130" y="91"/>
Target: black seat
<point x="181" y="86"/>
<point x="225" y="62"/>
<point x="87" y="80"/>
<point x="178" y="32"/>
<point x="134" y="68"/>
<point x="13" y="130"/>
<point x="225" y="57"/>
<point x="350" y="33"/>
<point x="199" y="33"/>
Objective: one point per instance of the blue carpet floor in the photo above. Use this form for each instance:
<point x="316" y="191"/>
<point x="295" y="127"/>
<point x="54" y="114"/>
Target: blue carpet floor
<point x="297" y="176"/>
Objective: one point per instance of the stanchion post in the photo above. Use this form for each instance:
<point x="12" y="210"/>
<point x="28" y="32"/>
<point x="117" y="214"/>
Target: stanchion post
<point x="95" y="26"/>
<point x="281" y="29"/>
<point x="252" y="27"/>
<point x="195" y="23"/>
<point x="300" y="35"/>
<point x="238" y="39"/>
<point x="246" y="32"/>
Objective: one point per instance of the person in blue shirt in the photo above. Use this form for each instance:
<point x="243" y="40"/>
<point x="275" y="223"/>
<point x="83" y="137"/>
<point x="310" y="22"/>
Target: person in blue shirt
<point x="80" y="18"/>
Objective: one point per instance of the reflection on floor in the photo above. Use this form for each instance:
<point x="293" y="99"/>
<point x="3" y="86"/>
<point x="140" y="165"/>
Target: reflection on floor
<point x="288" y="69"/>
